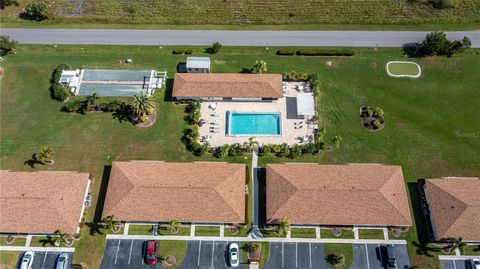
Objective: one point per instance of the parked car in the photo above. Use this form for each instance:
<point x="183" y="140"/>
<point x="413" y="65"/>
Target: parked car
<point x="27" y="260"/>
<point x="475" y="263"/>
<point x="391" y="260"/>
<point x="62" y="261"/>
<point x="151" y="252"/>
<point x="233" y="255"/>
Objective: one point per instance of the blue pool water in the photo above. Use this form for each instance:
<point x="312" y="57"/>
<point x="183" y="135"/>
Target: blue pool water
<point x="253" y="123"/>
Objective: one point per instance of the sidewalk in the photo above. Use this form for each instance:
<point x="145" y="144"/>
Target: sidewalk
<point x="46" y="249"/>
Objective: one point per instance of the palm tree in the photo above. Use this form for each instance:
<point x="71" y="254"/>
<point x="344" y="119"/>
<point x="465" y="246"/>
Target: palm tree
<point x="111" y="223"/>
<point x="284" y="226"/>
<point x="174" y="226"/>
<point x="44" y="155"/>
<point x="143" y="106"/>
<point x="92" y="101"/>
<point x="260" y="66"/>
<point x="453" y="243"/>
<point x="336" y="140"/>
<point x="251" y="144"/>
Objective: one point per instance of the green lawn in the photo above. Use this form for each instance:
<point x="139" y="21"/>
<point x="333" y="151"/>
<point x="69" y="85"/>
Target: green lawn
<point x="399" y="69"/>
<point x="253" y="13"/>
<point x="140" y="229"/>
<point x="264" y="256"/>
<point x="8" y="259"/>
<point x="242" y="233"/>
<point x="19" y="241"/>
<point x="181" y="231"/>
<point x="328" y="233"/>
<point x="207" y="231"/>
<point x="471" y="250"/>
<point x="431" y="125"/>
<point x="370" y="234"/>
<point x="303" y="232"/>
<point x="340" y="249"/>
<point x="269" y="232"/>
<point x="173" y="248"/>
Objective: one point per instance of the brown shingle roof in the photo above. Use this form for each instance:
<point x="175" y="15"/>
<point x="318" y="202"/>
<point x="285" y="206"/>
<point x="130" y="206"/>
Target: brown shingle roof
<point x="455" y="207"/>
<point x="41" y="202"/>
<point x="188" y="192"/>
<point x="337" y="194"/>
<point x="227" y="85"/>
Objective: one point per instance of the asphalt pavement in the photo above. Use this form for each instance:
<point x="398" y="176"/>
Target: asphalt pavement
<point x="44" y="260"/>
<point x="455" y="264"/>
<point x="368" y="256"/>
<point x="226" y="37"/>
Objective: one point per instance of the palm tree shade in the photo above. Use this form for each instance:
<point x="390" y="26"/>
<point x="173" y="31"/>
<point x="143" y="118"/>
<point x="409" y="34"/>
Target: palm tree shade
<point x="173" y="226"/>
<point x="260" y="66"/>
<point x="284" y="226"/>
<point x="142" y="105"/>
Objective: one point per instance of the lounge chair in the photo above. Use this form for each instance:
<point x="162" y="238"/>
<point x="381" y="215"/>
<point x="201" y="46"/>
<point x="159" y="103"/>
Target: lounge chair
<point x="298" y="126"/>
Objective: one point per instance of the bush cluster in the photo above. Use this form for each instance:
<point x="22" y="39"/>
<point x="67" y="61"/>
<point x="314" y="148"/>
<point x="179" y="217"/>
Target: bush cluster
<point x="182" y="51"/>
<point x="436" y="44"/>
<point x="82" y="106"/>
<point x="376" y="117"/>
<point x="295" y="76"/>
<point x="190" y="138"/>
<point x="57" y="90"/>
<point x="193" y="112"/>
<point x="317" y="52"/>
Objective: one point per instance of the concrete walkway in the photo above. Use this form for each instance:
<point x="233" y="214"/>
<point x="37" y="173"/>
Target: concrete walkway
<point x="255" y="233"/>
<point x="457" y="257"/>
<point x="47" y="249"/>
<point x="226" y="37"/>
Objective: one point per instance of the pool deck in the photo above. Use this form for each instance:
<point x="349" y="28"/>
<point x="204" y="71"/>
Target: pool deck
<point x="285" y="106"/>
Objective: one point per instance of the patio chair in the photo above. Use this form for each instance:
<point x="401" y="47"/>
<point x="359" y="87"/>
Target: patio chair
<point x="298" y="126"/>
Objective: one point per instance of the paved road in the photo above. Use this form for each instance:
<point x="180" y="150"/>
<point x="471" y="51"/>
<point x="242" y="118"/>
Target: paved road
<point x="230" y="38"/>
<point x="44" y="260"/>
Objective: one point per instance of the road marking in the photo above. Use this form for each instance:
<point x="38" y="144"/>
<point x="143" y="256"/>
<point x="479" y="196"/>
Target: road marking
<point x="366" y="253"/>
<point x="296" y="263"/>
<point x="454" y="265"/>
<point x="118" y="248"/>
<point x="282" y="254"/>
<point x="310" y="250"/>
<point x="44" y="258"/>
<point x="380" y="254"/>
<point x="199" y="247"/>
<point x="130" y="256"/>
<point x="213" y="251"/>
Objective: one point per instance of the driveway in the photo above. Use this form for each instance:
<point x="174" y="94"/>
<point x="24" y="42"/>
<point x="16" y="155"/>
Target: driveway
<point x="367" y="256"/>
<point x="45" y="260"/>
<point x="296" y="255"/>
<point x="227" y="38"/>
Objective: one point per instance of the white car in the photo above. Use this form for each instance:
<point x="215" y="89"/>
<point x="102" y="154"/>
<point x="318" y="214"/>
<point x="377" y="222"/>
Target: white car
<point x="27" y="260"/>
<point x="233" y="254"/>
<point x="62" y="261"/>
<point x="475" y="263"/>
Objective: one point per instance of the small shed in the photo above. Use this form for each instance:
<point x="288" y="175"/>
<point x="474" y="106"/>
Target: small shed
<point x="198" y="65"/>
<point x="305" y="105"/>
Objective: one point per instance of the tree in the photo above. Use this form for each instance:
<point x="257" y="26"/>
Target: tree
<point x="259" y="67"/>
<point x="215" y="48"/>
<point x="335" y="259"/>
<point x="111" y="223"/>
<point x="36" y="11"/>
<point x="92" y="101"/>
<point x="143" y="106"/>
<point x="44" y="155"/>
<point x="174" y="226"/>
<point x="453" y="243"/>
<point x="284" y="226"/>
<point x="223" y="150"/>
<point x="378" y="112"/>
<point x="7" y="45"/>
<point x="251" y="144"/>
<point x="466" y="43"/>
<point x="336" y="141"/>
<point x="6" y="3"/>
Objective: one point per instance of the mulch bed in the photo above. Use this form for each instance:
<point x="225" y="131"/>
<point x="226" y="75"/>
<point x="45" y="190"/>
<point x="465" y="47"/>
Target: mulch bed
<point x="367" y="122"/>
<point x="151" y="120"/>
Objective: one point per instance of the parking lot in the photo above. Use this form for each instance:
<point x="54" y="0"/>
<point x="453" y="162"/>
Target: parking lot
<point x="456" y="264"/>
<point x="45" y="260"/>
<point x="212" y="254"/>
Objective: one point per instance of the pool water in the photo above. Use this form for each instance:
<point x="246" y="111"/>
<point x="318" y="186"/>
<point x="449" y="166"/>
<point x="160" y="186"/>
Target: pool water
<point x="253" y="123"/>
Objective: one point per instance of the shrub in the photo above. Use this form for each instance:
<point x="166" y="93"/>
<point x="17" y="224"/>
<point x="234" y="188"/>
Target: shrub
<point x="325" y="52"/>
<point x="188" y="51"/>
<point x="72" y="105"/>
<point x="435" y="44"/>
<point x="215" y="48"/>
<point x="376" y="123"/>
<point x="314" y="81"/>
<point x="6" y="3"/>
<point x="178" y="51"/>
<point x="7" y="45"/>
<point x="36" y="11"/>
<point x="295" y="76"/>
<point x="286" y="52"/>
<point x="58" y="92"/>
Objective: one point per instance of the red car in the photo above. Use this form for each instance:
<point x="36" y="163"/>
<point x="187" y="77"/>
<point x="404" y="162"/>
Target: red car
<point x="151" y="253"/>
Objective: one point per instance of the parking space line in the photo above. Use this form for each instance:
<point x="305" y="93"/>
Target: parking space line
<point x="310" y="250"/>
<point x="199" y="248"/>
<point x="296" y="259"/>
<point x="380" y="254"/>
<point x="213" y="251"/>
<point x="282" y="254"/>
<point x="454" y="265"/>
<point x="44" y="258"/>
<point x="366" y="253"/>
<point x="130" y="255"/>
<point x="118" y="248"/>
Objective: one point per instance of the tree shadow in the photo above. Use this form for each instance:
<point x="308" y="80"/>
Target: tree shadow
<point x="32" y="162"/>
<point x="124" y="113"/>
<point x="182" y="67"/>
<point x="246" y="70"/>
<point x="168" y="90"/>
<point x="47" y="241"/>
<point x="413" y="50"/>
<point x="94" y="228"/>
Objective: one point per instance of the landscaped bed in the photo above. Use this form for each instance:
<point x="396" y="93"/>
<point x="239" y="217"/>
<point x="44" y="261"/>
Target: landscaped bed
<point x="303" y="233"/>
<point x="181" y="231"/>
<point x="329" y="233"/>
<point x="207" y="231"/>
<point x="172" y="250"/>
<point x="140" y="230"/>
<point x="372" y="119"/>
<point x="19" y="241"/>
<point x="402" y="69"/>
<point x="344" y="250"/>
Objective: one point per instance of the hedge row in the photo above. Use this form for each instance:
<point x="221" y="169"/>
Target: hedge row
<point x="181" y="51"/>
<point x="317" y="52"/>
<point x="57" y="90"/>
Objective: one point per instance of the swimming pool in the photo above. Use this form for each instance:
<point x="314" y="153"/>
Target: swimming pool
<point x="240" y="123"/>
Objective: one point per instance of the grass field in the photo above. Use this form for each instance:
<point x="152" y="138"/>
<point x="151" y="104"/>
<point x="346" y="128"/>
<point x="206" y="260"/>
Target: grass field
<point x="340" y="249"/>
<point x="19" y="241"/>
<point x="8" y="259"/>
<point x="370" y="234"/>
<point x="431" y="128"/>
<point x="303" y="232"/>
<point x="173" y="248"/>
<point x="403" y="69"/>
<point x="328" y="233"/>
<point x="207" y="231"/>
<point x="286" y="13"/>
<point x="140" y="229"/>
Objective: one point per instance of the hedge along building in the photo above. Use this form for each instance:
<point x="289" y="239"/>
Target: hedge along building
<point x="42" y="202"/>
<point x="157" y="191"/>
<point x="354" y="195"/>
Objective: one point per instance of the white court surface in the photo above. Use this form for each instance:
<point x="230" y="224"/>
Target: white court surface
<point x="286" y="106"/>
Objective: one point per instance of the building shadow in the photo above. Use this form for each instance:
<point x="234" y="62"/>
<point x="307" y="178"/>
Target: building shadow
<point x="262" y="197"/>
<point x="102" y="193"/>
<point x="182" y="67"/>
<point x="168" y="90"/>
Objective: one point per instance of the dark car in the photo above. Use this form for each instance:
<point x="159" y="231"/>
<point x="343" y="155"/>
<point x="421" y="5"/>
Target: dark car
<point x="390" y="257"/>
<point x="151" y="252"/>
